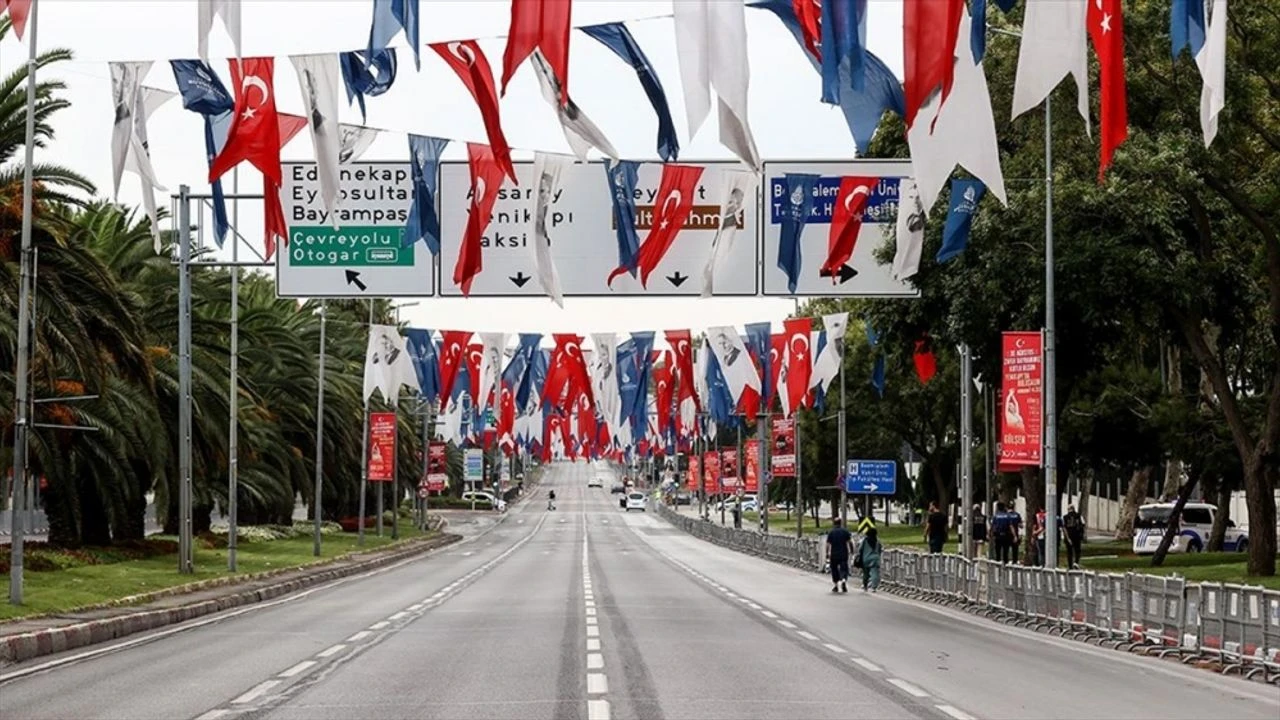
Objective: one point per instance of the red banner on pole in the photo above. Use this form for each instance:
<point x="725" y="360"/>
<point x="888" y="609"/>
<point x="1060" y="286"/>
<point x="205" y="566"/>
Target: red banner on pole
<point x="729" y="469"/>
<point x="752" y="463"/>
<point x="382" y="447"/>
<point x="1022" y="400"/>
<point x="783" y="459"/>
<point x="437" y="467"/>
<point x="693" y="482"/>
<point x="711" y="460"/>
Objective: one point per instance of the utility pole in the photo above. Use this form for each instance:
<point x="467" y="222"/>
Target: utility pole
<point x="185" y="556"/>
<point x="22" y="386"/>
<point x="317" y="498"/>
<point x="842" y="452"/>
<point x="1050" y="367"/>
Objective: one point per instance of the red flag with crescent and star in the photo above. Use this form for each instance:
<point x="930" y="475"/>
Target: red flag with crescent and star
<point x="809" y="14"/>
<point x="475" y="355"/>
<point x="567" y="377"/>
<point x="799" y="359"/>
<point x="255" y="129"/>
<point x="506" y="418"/>
<point x="851" y="201"/>
<point x="664" y="393"/>
<point x="539" y="25"/>
<point x="1106" y="27"/>
<point x="486" y="179"/>
<point x="925" y="361"/>
<point x="468" y="61"/>
<point x="452" y="344"/>
<point x="676" y="192"/>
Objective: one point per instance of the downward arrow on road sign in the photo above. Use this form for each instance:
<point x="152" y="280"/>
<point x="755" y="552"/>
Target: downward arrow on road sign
<point x="520" y="279"/>
<point x="677" y="279"/>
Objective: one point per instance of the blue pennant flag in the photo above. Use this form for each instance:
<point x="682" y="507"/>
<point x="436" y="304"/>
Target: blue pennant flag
<point x="424" y="164"/>
<point x="799" y="202"/>
<point x="628" y="378"/>
<point x="877" y="376"/>
<point x="389" y="18"/>
<point x="978" y="30"/>
<point x="203" y="93"/>
<point x="1006" y="5"/>
<point x="622" y="188"/>
<point x="426" y="362"/>
<point x="873" y="337"/>
<point x="617" y="38"/>
<point x="1186" y="26"/>
<point x="720" y="404"/>
<point x="965" y="196"/>
<point x="759" y="345"/>
<point x="862" y="109"/>
<point x="520" y="368"/>
<point x="844" y="47"/>
<point x="367" y="75"/>
<point x="640" y="403"/>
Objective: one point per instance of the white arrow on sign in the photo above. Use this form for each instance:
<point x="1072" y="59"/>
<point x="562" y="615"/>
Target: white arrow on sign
<point x="872" y="487"/>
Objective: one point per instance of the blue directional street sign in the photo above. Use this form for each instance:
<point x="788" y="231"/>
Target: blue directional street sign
<point x="871" y="477"/>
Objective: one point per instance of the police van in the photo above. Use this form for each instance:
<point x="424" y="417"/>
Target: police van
<point x="1194" y="529"/>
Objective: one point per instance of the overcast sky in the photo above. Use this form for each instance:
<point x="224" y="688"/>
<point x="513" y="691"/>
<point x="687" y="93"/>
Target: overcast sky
<point x="788" y="120"/>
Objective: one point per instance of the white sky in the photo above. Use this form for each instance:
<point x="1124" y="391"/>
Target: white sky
<point x="786" y="116"/>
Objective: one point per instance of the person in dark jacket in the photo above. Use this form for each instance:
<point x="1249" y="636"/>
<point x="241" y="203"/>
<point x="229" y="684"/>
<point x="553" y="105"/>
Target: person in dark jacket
<point x="869" y="559"/>
<point x="839" y="548"/>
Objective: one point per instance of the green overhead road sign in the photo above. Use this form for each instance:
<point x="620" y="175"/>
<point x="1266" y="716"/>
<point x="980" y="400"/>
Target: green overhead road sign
<point x="354" y="247"/>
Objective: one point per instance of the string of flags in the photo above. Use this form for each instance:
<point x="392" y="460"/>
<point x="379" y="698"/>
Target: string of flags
<point x="597" y="402"/>
<point x="943" y="98"/>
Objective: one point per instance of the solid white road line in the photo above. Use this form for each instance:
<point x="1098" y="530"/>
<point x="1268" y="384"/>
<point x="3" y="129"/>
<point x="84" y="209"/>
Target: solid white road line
<point x="806" y="635"/>
<point x="330" y="652"/>
<point x="359" y="636"/>
<point x="257" y="692"/>
<point x="597" y="710"/>
<point x="595" y="661"/>
<point x="597" y="684"/>
<point x="298" y="669"/>
<point x="908" y="688"/>
<point x="866" y="664"/>
<point x="957" y="714"/>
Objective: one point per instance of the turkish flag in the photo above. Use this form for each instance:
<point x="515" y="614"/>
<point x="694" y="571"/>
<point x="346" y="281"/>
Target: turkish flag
<point x="543" y="25"/>
<point x="809" y="14"/>
<point x="925" y="361"/>
<point x="567" y="377"/>
<point x="506" y="419"/>
<point x="851" y="201"/>
<point x="587" y="428"/>
<point x="664" y="387"/>
<point x="290" y="126"/>
<point x="255" y="129"/>
<point x="486" y="179"/>
<point x="681" y="342"/>
<point x="468" y="61"/>
<point x="453" y="342"/>
<point x="676" y="192"/>
<point x="19" y="11"/>
<point x="799" y="359"/>
<point x="929" y="30"/>
<point x="475" y="355"/>
<point x="1106" y="27"/>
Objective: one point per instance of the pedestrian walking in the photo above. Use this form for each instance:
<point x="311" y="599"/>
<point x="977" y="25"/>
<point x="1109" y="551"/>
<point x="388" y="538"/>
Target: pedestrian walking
<point x="839" y="548"/>
<point x="1073" y="524"/>
<point x="935" y="529"/>
<point x="1004" y="534"/>
<point x="869" y="560"/>
<point x="979" y="531"/>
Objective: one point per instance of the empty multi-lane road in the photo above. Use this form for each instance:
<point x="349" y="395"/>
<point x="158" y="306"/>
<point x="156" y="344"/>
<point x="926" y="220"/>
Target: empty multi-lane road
<point x="588" y="612"/>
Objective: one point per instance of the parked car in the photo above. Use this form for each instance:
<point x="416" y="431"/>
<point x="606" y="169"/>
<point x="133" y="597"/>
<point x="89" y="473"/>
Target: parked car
<point x="1193" y="530"/>
<point x="617" y="488"/>
<point x="480" y="496"/>
<point x="684" y="498"/>
<point x="635" y="501"/>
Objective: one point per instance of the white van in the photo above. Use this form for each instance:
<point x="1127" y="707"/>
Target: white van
<point x="1193" y="531"/>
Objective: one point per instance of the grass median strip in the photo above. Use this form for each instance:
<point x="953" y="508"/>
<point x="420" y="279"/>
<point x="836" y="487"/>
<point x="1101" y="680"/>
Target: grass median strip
<point x="58" y="591"/>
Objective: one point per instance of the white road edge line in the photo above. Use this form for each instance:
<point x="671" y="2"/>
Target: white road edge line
<point x="331" y="651"/>
<point x="957" y="714"/>
<point x="908" y="688"/>
<point x="769" y="614"/>
<point x="866" y="664"/>
<point x="597" y="710"/>
<point x="258" y="691"/>
<point x="298" y="669"/>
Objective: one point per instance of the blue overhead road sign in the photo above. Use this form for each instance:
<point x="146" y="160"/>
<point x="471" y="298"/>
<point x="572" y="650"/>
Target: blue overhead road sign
<point x="871" y="477"/>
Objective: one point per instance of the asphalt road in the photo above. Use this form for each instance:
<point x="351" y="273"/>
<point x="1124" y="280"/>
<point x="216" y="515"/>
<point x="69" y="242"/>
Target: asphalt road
<point x="587" y="612"/>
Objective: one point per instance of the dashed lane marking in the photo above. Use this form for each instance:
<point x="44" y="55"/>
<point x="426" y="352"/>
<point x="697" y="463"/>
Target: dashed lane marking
<point x="834" y="648"/>
<point x="593" y="631"/>
<point x="298" y="669"/>
<point x="595" y="661"/>
<point x="787" y="624"/>
<point x="255" y="692"/>
<point x="379" y="625"/>
<point x="359" y="636"/>
<point x="908" y="688"/>
<point x="593" y="643"/>
<point x="806" y="635"/>
<point x="957" y="714"/>
<point x="866" y="665"/>
<point x="597" y="710"/>
<point x="330" y="652"/>
<point x="597" y="684"/>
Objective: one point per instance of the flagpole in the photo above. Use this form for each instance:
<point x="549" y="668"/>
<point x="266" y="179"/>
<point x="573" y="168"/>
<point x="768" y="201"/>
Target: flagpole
<point x="317" y="497"/>
<point x="185" y="555"/>
<point x="1050" y="367"/>
<point x="762" y="474"/>
<point x="799" y="481"/>
<point x="364" y="453"/>
<point x="22" y="387"/>
<point x="966" y="451"/>
<point x="842" y="452"/>
<point x="233" y="399"/>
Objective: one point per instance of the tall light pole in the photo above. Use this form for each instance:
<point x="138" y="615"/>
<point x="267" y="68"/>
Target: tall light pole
<point x="1050" y="368"/>
<point x="317" y="497"/>
<point x="233" y="399"/>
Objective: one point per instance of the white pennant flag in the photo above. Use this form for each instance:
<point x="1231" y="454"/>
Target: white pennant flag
<point x="910" y="232"/>
<point x="319" y="77"/>
<point x="354" y="141"/>
<point x="493" y="346"/>
<point x="547" y="169"/>
<point x="387" y="364"/>
<point x="831" y="359"/>
<point x="1054" y="45"/>
<point x="1212" y="61"/>
<point x="711" y="44"/>
<point x="229" y="11"/>
<point x="964" y="131"/>
<point x="735" y="364"/>
<point x="579" y="130"/>
<point x="139" y="160"/>
<point x="700" y="385"/>
<point x="738" y="186"/>
<point x="126" y="96"/>
<point x="604" y="380"/>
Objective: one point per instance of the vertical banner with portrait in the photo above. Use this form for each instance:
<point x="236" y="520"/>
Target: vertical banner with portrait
<point x="382" y="446"/>
<point x="437" y="467"/>
<point x="729" y="469"/>
<point x="1021" y="409"/>
<point x="751" y="464"/>
<point x="783" y="458"/>
<point x="711" y="460"/>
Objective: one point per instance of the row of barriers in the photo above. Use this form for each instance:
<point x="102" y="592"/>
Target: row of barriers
<point x="1233" y="627"/>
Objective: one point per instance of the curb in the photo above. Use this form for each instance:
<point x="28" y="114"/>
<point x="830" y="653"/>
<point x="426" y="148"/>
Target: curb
<point x="25" y="646"/>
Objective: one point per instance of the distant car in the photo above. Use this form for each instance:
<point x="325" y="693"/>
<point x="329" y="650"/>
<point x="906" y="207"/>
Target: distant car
<point x="1193" y="531"/>
<point x="595" y="481"/>
<point x="635" y="501"/>
<point x="684" y="498"/>
<point x="617" y="488"/>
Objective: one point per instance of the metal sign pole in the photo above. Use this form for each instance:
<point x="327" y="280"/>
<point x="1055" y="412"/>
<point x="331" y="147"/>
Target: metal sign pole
<point x="762" y="473"/>
<point x="1049" y="381"/>
<point x="799" y="481"/>
<point x="966" y="451"/>
<point x="185" y="559"/>
<point x="364" y="455"/>
<point x="842" y="451"/>
<point x="233" y="400"/>
<point x="317" y="500"/>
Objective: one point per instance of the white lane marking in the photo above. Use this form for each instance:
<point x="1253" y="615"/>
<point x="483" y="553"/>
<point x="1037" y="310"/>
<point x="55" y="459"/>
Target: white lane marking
<point x="437" y="596"/>
<point x="806" y="635"/>
<point x="833" y="648"/>
<point x="214" y="715"/>
<point x="908" y="688"/>
<point x="399" y="616"/>
<point x="329" y="652"/>
<point x="593" y="643"/>
<point x="591" y="603"/>
<point x="591" y="621"/>
<point x="787" y="624"/>
<point x="597" y="710"/>
<point x="593" y="631"/>
<point x="298" y="669"/>
<point x="258" y="691"/>
<point x="591" y="611"/>
<point x="595" y="661"/>
<point x="379" y="625"/>
<point x="359" y="636"/>
<point x="866" y="664"/>
<point x="597" y="684"/>
<point x="769" y="614"/>
<point x="957" y="714"/>
<point x="416" y="608"/>
<point x="752" y="605"/>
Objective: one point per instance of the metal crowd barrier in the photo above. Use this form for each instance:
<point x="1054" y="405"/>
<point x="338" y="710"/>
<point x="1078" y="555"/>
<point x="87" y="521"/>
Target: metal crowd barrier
<point x="1234" y="628"/>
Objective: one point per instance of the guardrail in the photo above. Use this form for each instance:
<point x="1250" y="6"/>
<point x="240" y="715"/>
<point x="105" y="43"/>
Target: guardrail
<point x="1234" y="627"/>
